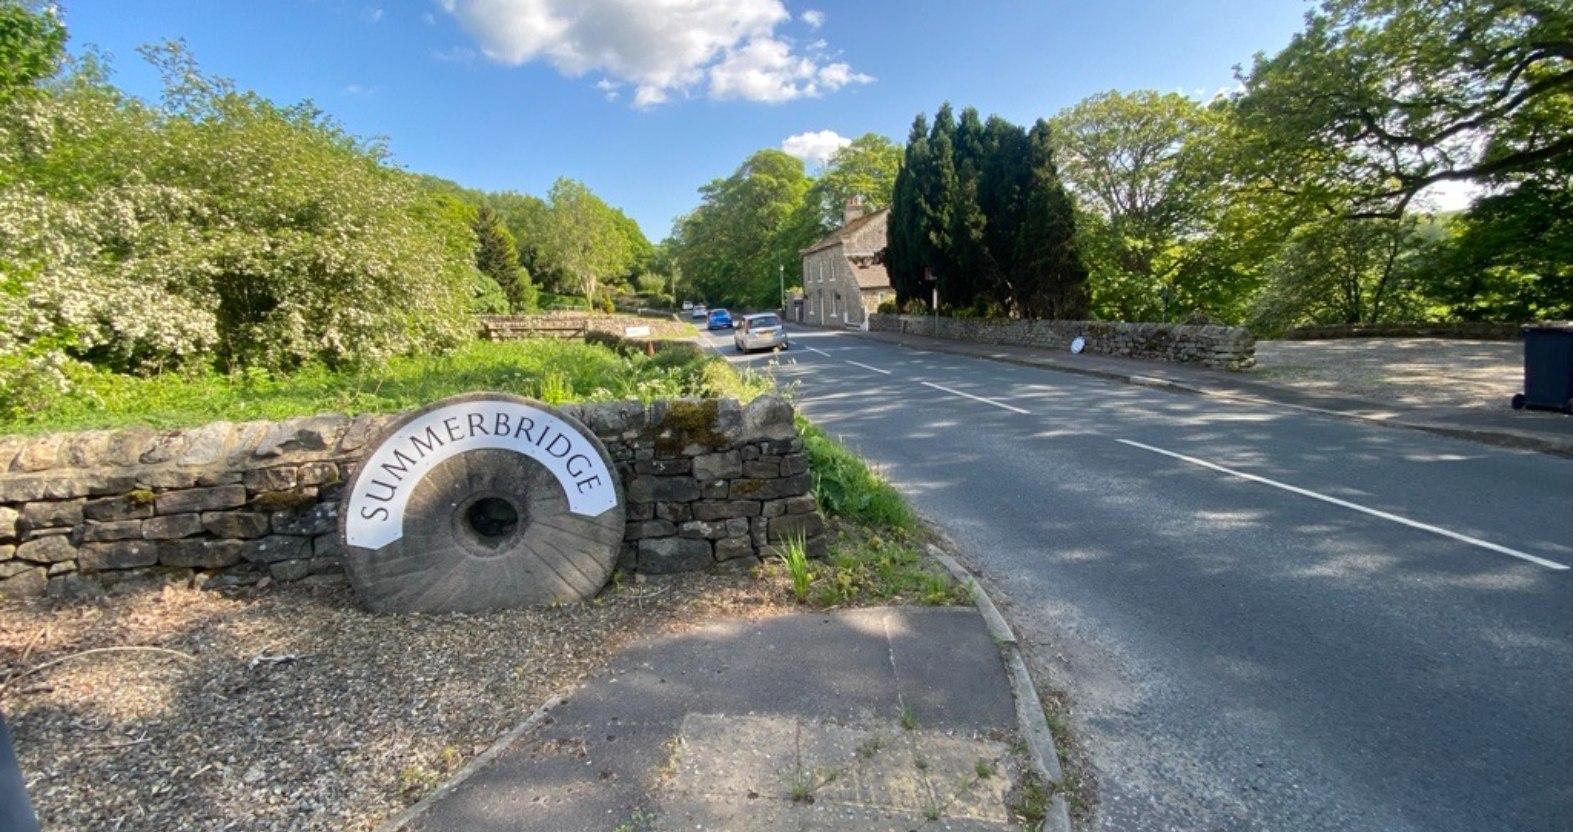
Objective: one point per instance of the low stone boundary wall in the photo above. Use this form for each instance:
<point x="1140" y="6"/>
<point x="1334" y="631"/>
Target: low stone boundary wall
<point x="1472" y="331"/>
<point x="708" y="483"/>
<point x="576" y="324"/>
<point x="1226" y="347"/>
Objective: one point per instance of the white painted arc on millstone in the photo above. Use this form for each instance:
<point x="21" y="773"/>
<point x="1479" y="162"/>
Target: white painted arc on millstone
<point x="376" y="511"/>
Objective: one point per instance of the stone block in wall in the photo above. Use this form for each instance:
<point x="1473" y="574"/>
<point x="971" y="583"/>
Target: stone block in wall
<point x="729" y="548"/>
<point x="9" y="568"/>
<point x="52" y="549"/>
<point x="235" y="524"/>
<point x="205" y="554"/>
<point x="718" y="466"/>
<point x="38" y="454"/>
<point x="796" y="463"/>
<point x="724" y="509"/>
<point x="649" y="488"/>
<point x="665" y="555"/>
<point x="318" y="473"/>
<point x="22" y="489"/>
<point x="277" y="478"/>
<point x="8" y="518"/>
<point x="664" y="467"/>
<point x="715" y="529"/>
<point x="788" y="505"/>
<point x="172" y="526"/>
<point x="51" y="514"/>
<point x="295" y="570"/>
<point x="767" y="417"/>
<point x="7" y="551"/>
<point x="791" y="526"/>
<point x="167" y="478"/>
<point x="137" y="504"/>
<point x="112" y="530"/>
<point x="199" y="499"/>
<point x="313" y="433"/>
<point x="764" y="467"/>
<point x="749" y="489"/>
<point x="714" y="490"/>
<point x="320" y="518"/>
<point x="328" y="546"/>
<point x="120" y="554"/>
<point x="276" y="547"/>
<point x="673" y="512"/>
<point x="642" y="529"/>
<point x="26" y="583"/>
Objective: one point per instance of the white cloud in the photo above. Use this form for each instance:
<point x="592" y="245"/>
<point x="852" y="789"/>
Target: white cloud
<point x="662" y="48"/>
<point x="816" y="147"/>
<point x="373" y="14"/>
<point x="609" y="89"/>
<point x="813" y="18"/>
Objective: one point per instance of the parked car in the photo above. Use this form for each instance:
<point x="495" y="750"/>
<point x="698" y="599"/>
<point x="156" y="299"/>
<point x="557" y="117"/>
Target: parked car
<point x="763" y="331"/>
<point x="698" y="313"/>
<point x="719" y="319"/>
<point x="688" y="305"/>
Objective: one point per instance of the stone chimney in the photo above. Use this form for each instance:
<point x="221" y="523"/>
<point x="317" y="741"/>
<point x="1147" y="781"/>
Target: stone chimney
<point x="853" y="208"/>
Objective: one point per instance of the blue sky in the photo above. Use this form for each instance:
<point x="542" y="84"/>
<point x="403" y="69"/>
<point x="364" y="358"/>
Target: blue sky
<point x="645" y="103"/>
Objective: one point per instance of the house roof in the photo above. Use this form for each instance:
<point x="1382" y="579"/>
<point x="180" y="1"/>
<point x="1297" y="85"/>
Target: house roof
<point x="838" y="235"/>
<point x="870" y="274"/>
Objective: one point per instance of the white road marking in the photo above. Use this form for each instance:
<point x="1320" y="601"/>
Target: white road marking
<point x="977" y="398"/>
<point x="868" y="367"/>
<point x="1372" y="512"/>
<point x="819" y="352"/>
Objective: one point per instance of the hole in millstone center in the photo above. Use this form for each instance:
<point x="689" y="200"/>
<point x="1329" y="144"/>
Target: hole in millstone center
<point x="493" y="519"/>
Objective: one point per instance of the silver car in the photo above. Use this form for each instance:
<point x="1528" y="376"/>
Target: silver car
<point x="762" y="331"/>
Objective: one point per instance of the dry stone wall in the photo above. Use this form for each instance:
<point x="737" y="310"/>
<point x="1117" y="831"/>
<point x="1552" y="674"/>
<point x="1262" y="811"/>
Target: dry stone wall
<point x="1225" y="347"/>
<point x="708" y="484"/>
<point x="575" y="324"/>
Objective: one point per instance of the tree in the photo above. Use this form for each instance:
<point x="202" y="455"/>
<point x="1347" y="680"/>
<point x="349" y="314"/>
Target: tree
<point x="32" y="45"/>
<point x="1509" y="258"/>
<point x="1051" y="281"/>
<point x="1343" y="271"/>
<point x="587" y="242"/>
<point x="746" y="227"/>
<point x="1375" y="100"/>
<point x="906" y="229"/>
<point x="497" y="258"/>
<point x="865" y="169"/>
<point x="1152" y="173"/>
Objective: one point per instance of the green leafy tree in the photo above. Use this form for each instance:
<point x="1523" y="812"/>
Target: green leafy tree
<point x="497" y="258"/>
<point x="587" y="243"/>
<point x="1344" y="271"/>
<point x="1052" y="281"/>
<point x="747" y="227"/>
<point x="32" y="45"/>
<point x="1375" y="100"/>
<point x="865" y="169"/>
<point x="906" y="224"/>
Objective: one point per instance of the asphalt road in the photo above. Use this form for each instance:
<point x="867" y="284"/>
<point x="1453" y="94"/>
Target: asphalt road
<point x="1264" y="619"/>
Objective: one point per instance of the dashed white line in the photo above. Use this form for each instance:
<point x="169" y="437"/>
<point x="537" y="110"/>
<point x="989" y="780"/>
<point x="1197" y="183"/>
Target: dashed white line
<point x="868" y="367"/>
<point x="819" y="352"/>
<point x="1372" y="512"/>
<point x="977" y="398"/>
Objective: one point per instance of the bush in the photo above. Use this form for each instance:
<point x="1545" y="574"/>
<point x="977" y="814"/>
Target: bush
<point x="217" y="230"/>
<point x="887" y="307"/>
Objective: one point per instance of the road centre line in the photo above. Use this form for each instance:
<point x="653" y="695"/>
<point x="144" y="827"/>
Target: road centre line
<point x="1372" y="512"/>
<point x="977" y="398"/>
<point x="867" y="367"/>
<point x="819" y="352"/>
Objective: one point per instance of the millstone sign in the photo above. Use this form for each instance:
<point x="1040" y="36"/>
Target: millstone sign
<point x="481" y="502"/>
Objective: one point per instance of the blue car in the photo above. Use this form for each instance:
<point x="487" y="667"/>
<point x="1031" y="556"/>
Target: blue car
<point x="719" y="319"/>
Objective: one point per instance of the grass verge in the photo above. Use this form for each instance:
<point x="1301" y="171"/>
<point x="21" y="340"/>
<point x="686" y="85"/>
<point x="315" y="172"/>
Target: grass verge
<point x="874" y="554"/>
<point x="553" y="370"/>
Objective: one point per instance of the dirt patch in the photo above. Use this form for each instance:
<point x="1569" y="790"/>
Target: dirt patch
<point x="296" y="709"/>
<point x="1418" y="372"/>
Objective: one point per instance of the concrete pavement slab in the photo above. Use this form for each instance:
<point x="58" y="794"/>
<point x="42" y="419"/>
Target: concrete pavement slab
<point x="730" y="703"/>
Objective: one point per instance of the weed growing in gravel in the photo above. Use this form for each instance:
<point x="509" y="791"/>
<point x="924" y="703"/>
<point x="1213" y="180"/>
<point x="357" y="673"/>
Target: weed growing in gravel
<point x="798" y="565"/>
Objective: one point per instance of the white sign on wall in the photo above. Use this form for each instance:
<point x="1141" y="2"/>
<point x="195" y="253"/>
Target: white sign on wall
<point x="376" y="509"/>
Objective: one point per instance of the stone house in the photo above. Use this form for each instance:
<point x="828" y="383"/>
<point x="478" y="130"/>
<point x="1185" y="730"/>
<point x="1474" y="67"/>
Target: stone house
<point x="842" y="280"/>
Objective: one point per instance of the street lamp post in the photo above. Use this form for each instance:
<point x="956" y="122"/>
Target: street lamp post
<point x="782" y="293"/>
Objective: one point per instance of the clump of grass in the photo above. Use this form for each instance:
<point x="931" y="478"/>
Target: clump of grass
<point x="797" y="562"/>
<point x="907" y="718"/>
<point x="846" y="487"/>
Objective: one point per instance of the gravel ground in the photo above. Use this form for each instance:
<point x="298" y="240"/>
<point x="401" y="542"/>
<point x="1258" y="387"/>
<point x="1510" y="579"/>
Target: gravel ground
<point x="1421" y="372"/>
<point x="295" y="709"/>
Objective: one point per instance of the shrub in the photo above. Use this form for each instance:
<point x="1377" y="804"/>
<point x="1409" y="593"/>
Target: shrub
<point x="846" y="487"/>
